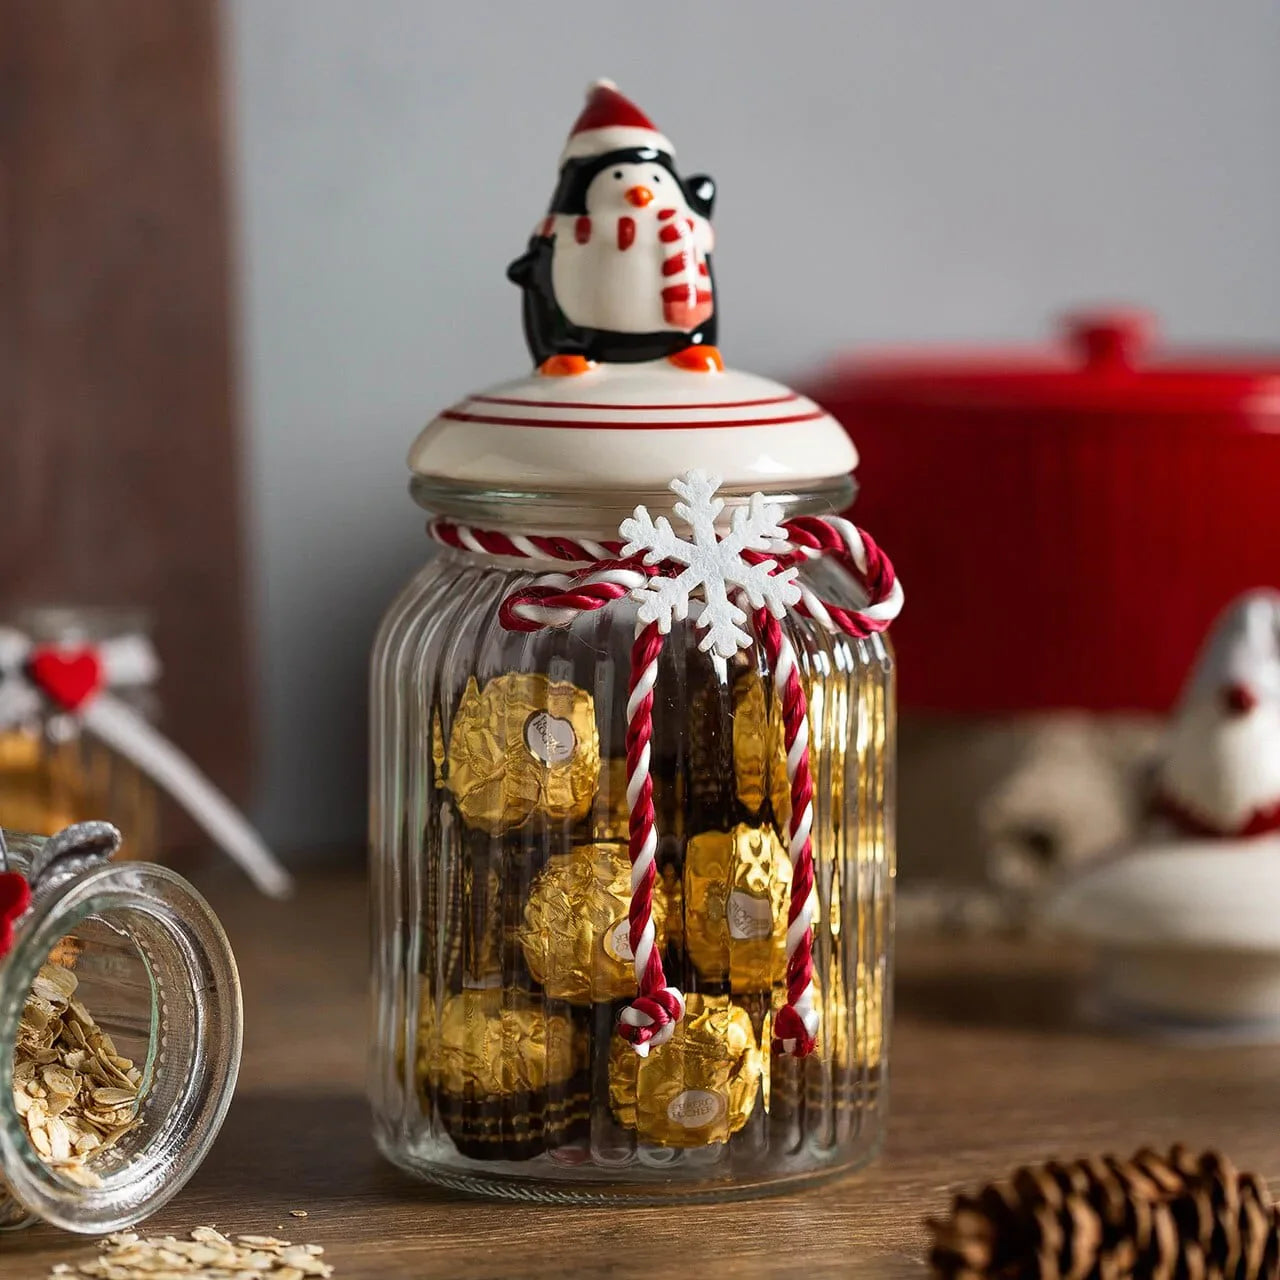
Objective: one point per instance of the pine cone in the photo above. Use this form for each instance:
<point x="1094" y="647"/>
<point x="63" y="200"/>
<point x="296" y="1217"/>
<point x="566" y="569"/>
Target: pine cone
<point x="1152" y="1217"/>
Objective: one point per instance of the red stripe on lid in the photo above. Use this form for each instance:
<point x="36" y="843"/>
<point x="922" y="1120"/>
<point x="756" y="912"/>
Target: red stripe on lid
<point x="456" y="415"/>
<point x="683" y="407"/>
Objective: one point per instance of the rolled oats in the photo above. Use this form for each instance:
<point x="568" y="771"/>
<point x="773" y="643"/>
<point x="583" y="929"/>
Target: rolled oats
<point x="76" y="1094"/>
<point x="206" y="1255"/>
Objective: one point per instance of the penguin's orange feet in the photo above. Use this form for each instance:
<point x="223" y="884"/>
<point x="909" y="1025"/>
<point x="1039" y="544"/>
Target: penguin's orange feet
<point x="698" y="360"/>
<point x="565" y="366"/>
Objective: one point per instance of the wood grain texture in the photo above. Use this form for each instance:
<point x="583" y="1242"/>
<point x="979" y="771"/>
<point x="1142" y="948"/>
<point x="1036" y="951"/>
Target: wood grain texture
<point x="989" y="1071"/>
<point x="117" y="453"/>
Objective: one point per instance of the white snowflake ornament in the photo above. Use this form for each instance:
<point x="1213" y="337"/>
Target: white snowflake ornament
<point x="713" y="565"/>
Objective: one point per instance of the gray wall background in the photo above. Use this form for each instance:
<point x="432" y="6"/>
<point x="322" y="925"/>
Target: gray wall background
<point x="930" y="170"/>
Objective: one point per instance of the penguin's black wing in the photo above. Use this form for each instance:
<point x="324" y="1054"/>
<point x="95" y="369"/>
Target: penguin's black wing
<point x="547" y="331"/>
<point x="521" y="270"/>
<point x="700" y="192"/>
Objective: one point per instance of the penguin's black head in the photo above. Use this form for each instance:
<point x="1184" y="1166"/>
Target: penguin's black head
<point x="577" y="175"/>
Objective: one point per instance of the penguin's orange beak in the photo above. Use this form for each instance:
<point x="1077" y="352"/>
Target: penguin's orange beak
<point x="638" y="196"/>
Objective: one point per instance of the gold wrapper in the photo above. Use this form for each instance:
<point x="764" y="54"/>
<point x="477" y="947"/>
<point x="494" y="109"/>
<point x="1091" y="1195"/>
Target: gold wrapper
<point x="698" y="1088"/>
<point x="610" y="817"/>
<point x="39" y="791"/>
<point x="736" y="887"/>
<point x="481" y="954"/>
<point x="437" y="747"/>
<point x="575" y="930"/>
<point x="491" y="1043"/>
<point x="760" y="749"/>
<point x="523" y="745"/>
<point x="869" y="1047"/>
<point x="673" y="894"/>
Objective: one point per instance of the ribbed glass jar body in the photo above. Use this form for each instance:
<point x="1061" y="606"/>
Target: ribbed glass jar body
<point x="501" y="886"/>
<point x="121" y="1022"/>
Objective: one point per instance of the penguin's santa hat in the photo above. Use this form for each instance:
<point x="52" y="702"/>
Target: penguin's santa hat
<point x="611" y="122"/>
<point x="1220" y="771"/>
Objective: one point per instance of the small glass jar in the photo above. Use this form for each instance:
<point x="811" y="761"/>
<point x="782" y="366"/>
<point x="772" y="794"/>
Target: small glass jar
<point x="147" y="964"/>
<point x="52" y="774"/>
<point x="632" y="745"/>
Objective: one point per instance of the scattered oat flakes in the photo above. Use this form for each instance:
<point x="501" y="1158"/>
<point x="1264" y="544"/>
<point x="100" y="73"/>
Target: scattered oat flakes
<point x="297" y="1213"/>
<point x="76" y="1095"/>
<point x="207" y="1255"/>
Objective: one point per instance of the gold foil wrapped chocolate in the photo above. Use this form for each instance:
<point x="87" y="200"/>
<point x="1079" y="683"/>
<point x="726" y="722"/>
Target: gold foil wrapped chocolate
<point x="493" y="1042"/>
<point x="524" y="745"/>
<point x="698" y="1088"/>
<point x="501" y="1075"/>
<point x="736" y="889"/>
<point x="575" y="930"/>
<point x="760" y="749"/>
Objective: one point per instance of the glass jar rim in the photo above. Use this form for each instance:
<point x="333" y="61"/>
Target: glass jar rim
<point x="179" y="921"/>
<point x="598" y="512"/>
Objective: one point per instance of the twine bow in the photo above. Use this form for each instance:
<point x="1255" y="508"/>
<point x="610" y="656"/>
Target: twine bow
<point x="604" y="572"/>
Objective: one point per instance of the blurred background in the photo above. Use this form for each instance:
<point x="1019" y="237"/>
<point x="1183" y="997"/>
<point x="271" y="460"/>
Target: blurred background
<point x="248" y="248"/>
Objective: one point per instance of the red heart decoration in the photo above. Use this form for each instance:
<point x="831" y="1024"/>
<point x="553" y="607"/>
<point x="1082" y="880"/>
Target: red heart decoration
<point x="69" y="677"/>
<point x="15" y="898"/>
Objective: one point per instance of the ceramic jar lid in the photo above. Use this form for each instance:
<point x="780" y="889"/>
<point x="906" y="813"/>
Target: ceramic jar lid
<point x="1106" y="361"/>
<point x="630" y="427"/>
<point x="620" y="316"/>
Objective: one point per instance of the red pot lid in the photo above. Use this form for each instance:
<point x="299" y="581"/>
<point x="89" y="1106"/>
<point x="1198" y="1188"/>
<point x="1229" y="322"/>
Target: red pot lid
<point x="1106" y="362"/>
<point x="1067" y="521"/>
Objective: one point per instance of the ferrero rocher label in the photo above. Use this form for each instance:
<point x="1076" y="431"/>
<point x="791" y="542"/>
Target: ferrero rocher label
<point x="736" y="887"/>
<point x="575" y="933"/>
<point x="698" y="1088"/>
<point x="525" y="745"/>
<point x="760" y="749"/>
<point x="493" y="1043"/>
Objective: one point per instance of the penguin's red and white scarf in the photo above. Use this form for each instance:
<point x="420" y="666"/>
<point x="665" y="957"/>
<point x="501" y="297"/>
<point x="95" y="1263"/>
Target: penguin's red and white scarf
<point x="686" y="278"/>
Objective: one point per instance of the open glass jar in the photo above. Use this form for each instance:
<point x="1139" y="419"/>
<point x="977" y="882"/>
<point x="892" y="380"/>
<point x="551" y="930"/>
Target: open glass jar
<point x="632" y="752"/>
<point x="120" y="1017"/>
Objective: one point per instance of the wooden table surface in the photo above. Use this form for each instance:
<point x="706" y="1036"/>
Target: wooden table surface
<point x="989" y="1071"/>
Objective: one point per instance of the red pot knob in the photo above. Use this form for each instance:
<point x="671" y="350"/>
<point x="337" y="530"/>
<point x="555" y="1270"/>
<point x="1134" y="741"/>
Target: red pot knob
<point x="1115" y="338"/>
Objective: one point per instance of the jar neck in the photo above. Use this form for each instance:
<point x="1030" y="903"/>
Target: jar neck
<point x="155" y="971"/>
<point x="596" y="513"/>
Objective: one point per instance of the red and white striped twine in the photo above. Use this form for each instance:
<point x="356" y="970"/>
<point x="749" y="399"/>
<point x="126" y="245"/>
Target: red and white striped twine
<point x="601" y="577"/>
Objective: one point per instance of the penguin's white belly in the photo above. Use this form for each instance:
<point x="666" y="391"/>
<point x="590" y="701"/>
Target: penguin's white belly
<point x="599" y="286"/>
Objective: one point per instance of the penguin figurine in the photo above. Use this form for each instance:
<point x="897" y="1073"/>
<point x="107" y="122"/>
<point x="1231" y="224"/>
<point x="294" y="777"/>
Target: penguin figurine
<point x="620" y="268"/>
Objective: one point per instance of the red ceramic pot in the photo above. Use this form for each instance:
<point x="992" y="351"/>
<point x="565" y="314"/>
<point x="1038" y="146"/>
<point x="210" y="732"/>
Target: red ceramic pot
<point x="1067" y="520"/>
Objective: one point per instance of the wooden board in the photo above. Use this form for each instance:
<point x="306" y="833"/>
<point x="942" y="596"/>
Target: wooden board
<point x="989" y="1070"/>
<point x="118" y="480"/>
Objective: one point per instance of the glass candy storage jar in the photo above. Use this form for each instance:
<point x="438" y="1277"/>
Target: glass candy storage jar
<point x="120" y="1017"/>
<point x="632" y="749"/>
<point x="51" y="773"/>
